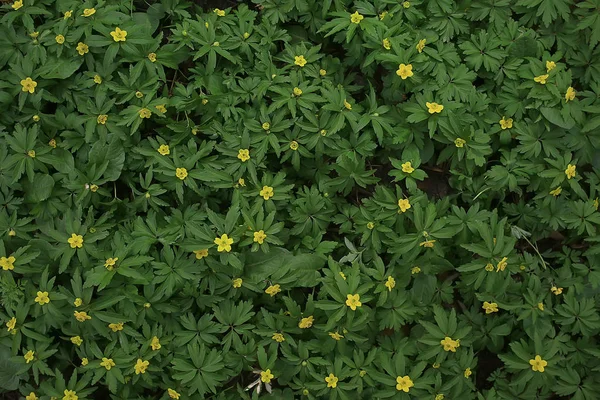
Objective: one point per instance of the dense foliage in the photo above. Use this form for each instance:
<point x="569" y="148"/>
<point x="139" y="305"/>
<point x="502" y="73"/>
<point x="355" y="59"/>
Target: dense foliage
<point x="288" y="199"/>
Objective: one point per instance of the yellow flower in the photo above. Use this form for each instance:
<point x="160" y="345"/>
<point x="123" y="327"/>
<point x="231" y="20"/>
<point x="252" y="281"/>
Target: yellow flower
<point x="75" y="241"/>
<point x="200" y="254"/>
<point x="489" y="267"/>
<point x="70" y="394"/>
<point x="68" y="14"/>
<point x="152" y="57"/>
<point x="570" y="95"/>
<point x="538" y="364"/>
<point x="266" y="376"/>
<point x="404" y="71"/>
<point x="219" y="12"/>
<point x="370" y="225"/>
<point x="107" y="363"/>
<point x="356" y="18"/>
<point x="139" y="94"/>
<point x="570" y="171"/>
<point x="97" y="79"/>
<point x="78" y="302"/>
<point x="404" y="383"/>
<point x="506" y="123"/>
<point x="141" y="366"/>
<point x="540" y="306"/>
<point x="297" y="91"/>
<point x="273" y="290"/>
<point x="427" y="243"/>
<point x="347" y="105"/>
<point x="60" y="39"/>
<point x="556" y="290"/>
<point x="35" y="118"/>
<point x="502" y="264"/>
<point x="421" y="45"/>
<point x="11" y="324"/>
<point x="237" y="283"/>
<point x="266" y="126"/>
<point x="459" y="142"/>
<point x="110" y="262"/>
<point x="164" y="149"/>
<point x="386" y="44"/>
<point x="300" y="61"/>
<point x="28" y="85"/>
<point x="145" y="113"/>
<point x="439" y="397"/>
<point x="84" y="361"/>
<point x="246" y="35"/>
<point x="335" y="336"/>
<point x="406" y="4"/>
<point x="383" y="15"/>
<point x="266" y="192"/>
<point x="259" y="237"/>
<point x="31" y="153"/>
<point x="404" y="205"/>
<point x="173" y="394"/>
<point x="223" y="243"/>
<point x="76" y="340"/>
<point x="353" y="301"/>
<point x="306" y="322"/>
<point x="332" y="381"/>
<point x="101" y="119"/>
<point x="415" y="270"/>
<point x="294" y="145"/>
<point x="115" y="327"/>
<point x="490" y="307"/>
<point x="31" y="396"/>
<point x="52" y="143"/>
<point x="467" y="373"/>
<point x="29" y="356"/>
<point x="7" y="263"/>
<point x="278" y="337"/>
<point x="449" y="344"/>
<point x="82" y="48"/>
<point x="17" y="4"/>
<point x="322" y="72"/>
<point x="181" y="173"/>
<point x="155" y="343"/>
<point x="42" y="298"/>
<point x="244" y="155"/>
<point x="390" y="283"/>
<point x="88" y="12"/>
<point x="550" y="65"/>
<point x="556" y="191"/>
<point x="434" y="108"/>
<point x="541" y="79"/>
<point x="407" y="167"/>
<point x="119" y="35"/>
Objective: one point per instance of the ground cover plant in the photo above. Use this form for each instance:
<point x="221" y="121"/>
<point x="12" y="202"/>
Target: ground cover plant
<point x="299" y="199"/>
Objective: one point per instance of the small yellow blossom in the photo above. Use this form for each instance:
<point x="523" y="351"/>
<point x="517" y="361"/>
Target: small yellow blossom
<point x="490" y="307"/>
<point x="115" y="327"/>
<point x="506" y="123"/>
<point x="300" y="61"/>
<point x="460" y="142"/>
<point x="332" y="381"/>
<point x="29" y="356"/>
<point x="383" y="15"/>
<point x="31" y="153"/>
<point x="434" y="108"/>
<point x="421" y="45"/>
<point x="71" y="394"/>
<point x="336" y="336"/>
<point x="31" y="396"/>
<point x="540" y="306"/>
<point x="266" y="126"/>
<point x="353" y="301"/>
<point x="556" y="192"/>
<point x="223" y="243"/>
<point x="28" y="85"/>
<point x="84" y="361"/>
<point x="322" y="72"/>
<point x="60" y="39"/>
<point x="75" y="241"/>
<point x="107" y="363"/>
<point x="173" y="394"/>
<point x="266" y="376"/>
<point x="404" y="383"/>
<point x="347" y="105"/>
<point x="306" y="322"/>
<point x="404" y="204"/>
<point x="294" y="145"/>
<point x="237" y="283"/>
<point x="7" y="263"/>
<point x="370" y="225"/>
<point x="152" y="57"/>
<point x="427" y="243"/>
<point x="219" y="12"/>
<point x="570" y="171"/>
<point x="541" y="79"/>
<point x="407" y="167"/>
<point x="97" y="79"/>
<point x="538" y="364"/>
<point x="110" y="263"/>
<point x="42" y="298"/>
<point x="297" y="91"/>
<point x="11" y="324"/>
<point x="266" y="192"/>
<point x="52" y="143"/>
<point x="550" y="65"/>
<point x="200" y="254"/>
<point x="35" y="118"/>
<point x="181" y="173"/>
<point x="570" y="95"/>
<point x="77" y="302"/>
<point x="88" y="12"/>
<point x="390" y="283"/>
<point x="141" y="366"/>
<point x="449" y="344"/>
<point x="246" y="35"/>
<point x="164" y="149"/>
<point x="101" y="119"/>
<point x="489" y="267"/>
<point x="467" y="373"/>
<point x="386" y="43"/>
<point x="119" y="35"/>
<point x="556" y="290"/>
<point x="404" y="71"/>
<point x="155" y="343"/>
<point x="356" y="18"/>
<point x="244" y="155"/>
<point x="415" y="270"/>
<point x="260" y="236"/>
<point x="76" y="340"/>
<point x="502" y="264"/>
<point x="278" y="337"/>
<point x="82" y="48"/>
<point x="17" y="4"/>
<point x="68" y="14"/>
<point x="406" y="4"/>
<point x="273" y="290"/>
<point x="145" y="113"/>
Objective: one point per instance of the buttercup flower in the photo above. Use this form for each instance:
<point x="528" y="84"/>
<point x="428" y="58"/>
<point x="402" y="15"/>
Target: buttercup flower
<point x="237" y="283"/>
<point x="297" y="91"/>
<point x="427" y="243"/>
<point x="17" y="4"/>
<point x="347" y="105"/>
<point x="306" y="322"/>
<point x="556" y="290"/>
<point x="335" y="336"/>
<point x="82" y="48"/>
<point x="88" y="12"/>
<point x="540" y="306"/>
<point x="181" y="173"/>
<point x="506" y="123"/>
<point x="68" y="14"/>
<point x="386" y="44"/>
<point x="75" y="241"/>
<point x="31" y="396"/>
<point x="407" y="167"/>
<point x="173" y="394"/>
<point x="42" y="298"/>
<point x="7" y="263"/>
<point x="266" y="376"/>
<point x="71" y="394"/>
<point x="164" y="149"/>
<point x="570" y="95"/>
<point x="403" y="204"/>
<point x="266" y="126"/>
<point x="294" y="145"/>
<point x="570" y="171"/>
<point x="353" y="301"/>
<point x="404" y="71"/>
<point x="356" y="18"/>
<point x="97" y="79"/>
<point x="219" y="12"/>
<point x="556" y="192"/>
<point x="145" y="113"/>
<point x="467" y="373"/>
<point x="390" y="283"/>
<point x="404" y="383"/>
<point x="244" y="155"/>
<point x="11" y="324"/>
<point x="266" y="192"/>
<point x="273" y="290"/>
<point x="152" y="57"/>
<point x="278" y="337"/>
<point x="332" y="381"/>
<point x="370" y="225"/>
<point x="200" y="254"/>
<point x="29" y="356"/>
<point x="502" y="264"/>
<point x="115" y="327"/>
<point x="78" y="302"/>
<point x="107" y="363"/>
<point x="550" y="65"/>
<point x="300" y="61"/>
<point x="434" y="108"/>
<point x="538" y="364"/>
<point x="459" y="142"/>
<point x="76" y="340"/>
<point x="60" y="39"/>
<point x="28" y="85"/>
<point x="449" y="344"/>
<point x="322" y="72"/>
<point x="155" y="343"/>
<point x="260" y="236"/>
<point x="119" y="35"/>
<point x="141" y="366"/>
<point x="421" y="45"/>
<point x="84" y="361"/>
<point x="490" y="307"/>
<point x="541" y="79"/>
<point x="223" y="243"/>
